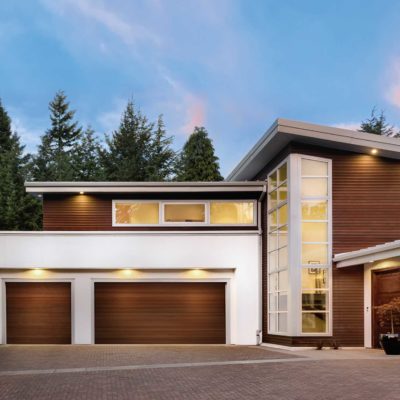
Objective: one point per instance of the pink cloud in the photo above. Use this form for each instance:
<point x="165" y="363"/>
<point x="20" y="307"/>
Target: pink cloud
<point x="392" y="93"/>
<point x="195" y="114"/>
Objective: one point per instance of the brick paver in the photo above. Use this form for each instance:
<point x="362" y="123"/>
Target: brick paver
<point x="284" y="377"/>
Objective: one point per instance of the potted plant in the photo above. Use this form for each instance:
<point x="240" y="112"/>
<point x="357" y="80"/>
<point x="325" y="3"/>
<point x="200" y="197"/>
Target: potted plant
<point x="389" y="313"/>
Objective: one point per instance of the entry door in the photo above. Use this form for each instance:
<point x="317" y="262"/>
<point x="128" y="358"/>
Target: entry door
<point x="385" y="287"/>
<point x="38" y="312"/>
<point x="157" y="313"/>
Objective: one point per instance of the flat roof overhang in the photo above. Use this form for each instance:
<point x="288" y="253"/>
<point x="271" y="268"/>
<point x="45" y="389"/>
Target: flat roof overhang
<point x="283" y="131"/>
<point x="368" y="255"/>
<point x="144" y="187"/>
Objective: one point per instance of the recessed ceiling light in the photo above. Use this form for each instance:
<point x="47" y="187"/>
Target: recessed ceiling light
<point x="374" y="151"/>
<point x="81" y="192"/>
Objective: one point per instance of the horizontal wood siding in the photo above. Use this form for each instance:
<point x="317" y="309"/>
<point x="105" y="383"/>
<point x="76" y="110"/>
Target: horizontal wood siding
<point x="158" y="313"/>
<point x="38" y="312"/>
<point x="93" y="212"/>
<point x="366" y="212"/>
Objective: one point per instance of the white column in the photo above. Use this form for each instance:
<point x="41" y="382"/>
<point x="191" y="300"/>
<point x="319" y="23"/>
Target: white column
<point x="82" y="315"/>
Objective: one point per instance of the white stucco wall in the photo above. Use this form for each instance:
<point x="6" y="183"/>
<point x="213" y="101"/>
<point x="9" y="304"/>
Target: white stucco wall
<point x="83" y="258"/>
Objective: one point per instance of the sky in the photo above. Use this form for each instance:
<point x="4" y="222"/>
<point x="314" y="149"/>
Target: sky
<point x="233" y="66"/>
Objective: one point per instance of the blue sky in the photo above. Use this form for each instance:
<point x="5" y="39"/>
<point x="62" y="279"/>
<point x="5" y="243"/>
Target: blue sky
<point x="232" y="66"/>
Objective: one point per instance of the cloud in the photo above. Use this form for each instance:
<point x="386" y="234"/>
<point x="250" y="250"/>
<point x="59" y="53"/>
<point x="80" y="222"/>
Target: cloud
<point x="352" y="126"/>
<point x="29" y="131"/>
<point x="189" y="105"/>
<point x="392" y="92"/>
<point x="110" y="120"/>
<point x="129" y="32"/>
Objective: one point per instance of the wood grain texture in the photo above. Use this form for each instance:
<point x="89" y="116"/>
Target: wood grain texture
<point x="366" y="194"/>
<point x="385" y="287"/>
<point x="93" y="212"/>
<point x="159" y="313"/>
<point x="38" y="312"/>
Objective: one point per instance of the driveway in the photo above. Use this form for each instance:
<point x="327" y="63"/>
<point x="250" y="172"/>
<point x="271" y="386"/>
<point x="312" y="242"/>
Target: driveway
<point x="194" y="372"/>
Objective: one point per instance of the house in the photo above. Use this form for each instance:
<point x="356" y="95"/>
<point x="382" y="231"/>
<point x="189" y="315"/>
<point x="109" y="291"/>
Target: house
<point x="296" y="247"/>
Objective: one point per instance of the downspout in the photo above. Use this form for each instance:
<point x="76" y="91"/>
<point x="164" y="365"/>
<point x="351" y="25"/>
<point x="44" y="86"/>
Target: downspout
<point x="259" y="332"/>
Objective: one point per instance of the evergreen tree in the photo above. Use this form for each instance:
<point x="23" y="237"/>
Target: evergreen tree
<point x="129" y="148"/>
<point x="86" y="158"/>
<point x="161" y="158"/>
<point x="377" y="125"/>
<point x="18" y="210"/>
<point x="197" y="160"/>
<point x="54" y="161"/>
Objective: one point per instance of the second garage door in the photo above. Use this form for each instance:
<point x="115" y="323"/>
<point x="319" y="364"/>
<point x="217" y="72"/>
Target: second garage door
<point x="151" y="313"/>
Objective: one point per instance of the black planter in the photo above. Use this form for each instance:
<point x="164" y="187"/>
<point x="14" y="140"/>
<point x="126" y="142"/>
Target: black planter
<point x="390" y="343"/>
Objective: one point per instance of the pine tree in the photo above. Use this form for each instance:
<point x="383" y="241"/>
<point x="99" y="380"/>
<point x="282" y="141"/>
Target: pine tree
<point x="129" y="148"/>
<point x="86" y="158"/>
<point x="54" y="161"/>
<point x="197" y="160"/>
<point x="162" y="158"/>
<point x="18" y="210"/>
<point x="377" y="125"/>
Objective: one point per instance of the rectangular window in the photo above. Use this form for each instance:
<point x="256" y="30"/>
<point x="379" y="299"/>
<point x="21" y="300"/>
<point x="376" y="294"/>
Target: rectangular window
<point x="136" y="213"/>
<point x="195" y="213"/>
<point x="230" y="212"/>
<point x="314" y="229"/>
<point x="177" y="212"/>
<point x="278" y="279"/>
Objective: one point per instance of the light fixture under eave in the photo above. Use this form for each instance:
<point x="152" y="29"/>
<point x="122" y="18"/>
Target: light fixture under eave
<point x="374" y="151"/>
<point x="81" y="192"/>
<point x="37" y="271"/>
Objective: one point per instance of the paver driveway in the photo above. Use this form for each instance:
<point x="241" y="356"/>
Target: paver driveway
<point x="194" y="372"/>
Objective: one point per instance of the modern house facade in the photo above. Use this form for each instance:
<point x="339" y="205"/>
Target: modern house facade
<point x="297" y="246"/>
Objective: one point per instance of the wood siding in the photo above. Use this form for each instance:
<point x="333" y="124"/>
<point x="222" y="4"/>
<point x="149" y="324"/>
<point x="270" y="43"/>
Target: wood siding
<point x="157" y="313"/>
<point x="365" y="202"/>
<point x="93" y="212"/>
<point x="38" y="312"/>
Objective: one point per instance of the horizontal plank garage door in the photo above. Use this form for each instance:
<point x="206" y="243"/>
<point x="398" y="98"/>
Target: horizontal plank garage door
<point x="38" y="312"/>
<point x="146" y="313"/>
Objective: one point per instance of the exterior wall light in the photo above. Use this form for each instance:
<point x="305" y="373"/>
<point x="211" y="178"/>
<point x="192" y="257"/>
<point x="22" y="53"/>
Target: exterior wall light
<point x="81" y="192"/>
<point x="374" y="151"/>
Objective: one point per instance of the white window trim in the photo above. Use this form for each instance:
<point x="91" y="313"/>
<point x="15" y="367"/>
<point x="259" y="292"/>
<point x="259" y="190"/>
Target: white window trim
<point x="296" y="230"/>
<point x="162" y="203"/>
<point x="287" y="268"/>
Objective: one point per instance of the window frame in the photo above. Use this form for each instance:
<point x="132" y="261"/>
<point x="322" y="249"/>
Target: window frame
<point x="207" y="204"/>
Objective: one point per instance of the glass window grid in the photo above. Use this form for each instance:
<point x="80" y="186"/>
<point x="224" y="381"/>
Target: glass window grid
<point x="162" y="222"/>
<point x="326" y="290"/>
<point x="274" y="275"/>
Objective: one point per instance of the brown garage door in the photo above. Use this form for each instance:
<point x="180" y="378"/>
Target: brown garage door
<point x="38" y="312"/>
<point x="159" y="313"/>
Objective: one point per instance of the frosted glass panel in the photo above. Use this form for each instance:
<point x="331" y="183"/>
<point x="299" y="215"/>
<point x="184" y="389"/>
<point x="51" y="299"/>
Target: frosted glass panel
<point x="283" y="257"/>
<point x="272" y="302"/>
<point x="273" y="199"/>
<point x="282" y="301"/>
<point x="314" y="187"/>
<point x="272" y="283"/>
<point x="273" y="261"/>
<point x="283" y="238"/>
<point x="282" y="173"/>
<point x="136" y="213"/>
<point x="282" y="322"/>
<point x="314" y="254"/>
<point x="272" y="323"/>
<point x="273" y="220"/>
<point x="314" y="232"/>
<point x="314" y="210"/>
<point x="283" y="215"/>
<point x="232" y="212"/>
<point x="273" y="241"/>
<point x="283" y="280"/>
<point x="313" y="168"/>
<point x="314" y="322"/>
<point x="272" y="181"/>
<point x="314" y="278"/>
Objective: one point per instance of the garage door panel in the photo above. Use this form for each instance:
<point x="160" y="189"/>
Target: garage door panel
<point x="160" y="313"/>
<point x="38" y="312"/>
